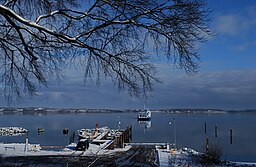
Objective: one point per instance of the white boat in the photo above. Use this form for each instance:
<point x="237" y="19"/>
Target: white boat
<point x="144" y="116"/>
<point x="12" y="131"/>
<point x="92" y="134"/>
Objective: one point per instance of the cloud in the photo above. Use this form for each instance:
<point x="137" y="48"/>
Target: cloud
<point x="234" y="89"/>
<point x="57" y="95"/>
<point x="236" y="23"/>
<point x="229" y="24"/>
<point x="240" y="48"/>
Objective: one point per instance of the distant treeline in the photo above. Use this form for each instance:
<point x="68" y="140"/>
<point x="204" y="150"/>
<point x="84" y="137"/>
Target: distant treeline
<point x="44" y="111"/>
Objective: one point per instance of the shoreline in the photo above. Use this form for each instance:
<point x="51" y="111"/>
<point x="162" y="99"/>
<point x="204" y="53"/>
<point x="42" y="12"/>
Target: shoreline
<point x="136" y="155"/>
<point x="46" y="111"/>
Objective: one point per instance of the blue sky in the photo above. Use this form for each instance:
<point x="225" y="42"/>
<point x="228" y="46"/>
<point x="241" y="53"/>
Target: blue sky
<point x="226" y="79"/>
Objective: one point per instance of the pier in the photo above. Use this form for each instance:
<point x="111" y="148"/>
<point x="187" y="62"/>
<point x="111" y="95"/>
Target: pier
<point x="147" y="144"/>
<point x="52" y="147"/>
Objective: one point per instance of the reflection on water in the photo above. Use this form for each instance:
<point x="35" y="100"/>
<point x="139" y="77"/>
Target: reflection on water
<point x="190" y="129"/>
<point x="146" y="123"/>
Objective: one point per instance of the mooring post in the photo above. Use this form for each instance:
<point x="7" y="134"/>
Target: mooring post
<point x="174" y="132"/>
<point x="230" y="136"/>
<point x="26" y="143"/>
<point x="205" y="127"/>
<point x="207" y="144"/>
<point x="131" y="132"/>
<point x="216" y="133"/>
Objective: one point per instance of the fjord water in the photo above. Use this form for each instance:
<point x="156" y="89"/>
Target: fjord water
<point x="189" y="129"/>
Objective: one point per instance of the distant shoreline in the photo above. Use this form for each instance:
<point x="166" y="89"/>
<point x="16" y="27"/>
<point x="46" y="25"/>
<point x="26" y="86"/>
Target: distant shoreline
<point x="46" y="111"/>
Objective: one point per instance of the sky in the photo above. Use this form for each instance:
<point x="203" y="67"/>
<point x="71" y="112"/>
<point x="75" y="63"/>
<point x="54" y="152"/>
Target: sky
<point x="226" y="79"/>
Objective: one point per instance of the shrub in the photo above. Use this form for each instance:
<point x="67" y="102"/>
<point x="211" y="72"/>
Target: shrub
<point x="212" y="156"/>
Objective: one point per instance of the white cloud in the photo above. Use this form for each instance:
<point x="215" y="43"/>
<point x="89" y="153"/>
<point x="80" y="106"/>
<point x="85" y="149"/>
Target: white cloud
<point x="237" y="23"/>
<point x="39" y="93"/>
<point x="232" y="89"/>
<point x="241" y="48"/>
<point x="57" y="95"/>
<point x="228" y="24"/>
<point x="209" y="89"/>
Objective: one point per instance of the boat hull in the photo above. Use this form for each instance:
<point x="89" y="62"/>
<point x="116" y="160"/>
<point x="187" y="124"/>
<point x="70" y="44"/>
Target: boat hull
<point x="144" y="119"/>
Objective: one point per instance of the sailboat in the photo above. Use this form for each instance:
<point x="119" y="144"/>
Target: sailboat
<point x="144" y="116"/>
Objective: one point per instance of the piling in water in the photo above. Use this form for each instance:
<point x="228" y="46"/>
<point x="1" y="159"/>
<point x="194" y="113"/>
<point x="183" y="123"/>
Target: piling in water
<point x="72" y="137"/>
<point x="207" y="145"/>
<point x="231" y="135"/>
<point x="65" y="131"/>
<point x="205" y="127"/>
<point x="216" y="131"/>
<point x="130" y="132"/>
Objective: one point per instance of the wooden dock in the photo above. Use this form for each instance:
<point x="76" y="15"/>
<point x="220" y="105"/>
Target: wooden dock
<point x="149" y="144"/>
<point x="145" y="144"/>
<point x="54" y="147"/>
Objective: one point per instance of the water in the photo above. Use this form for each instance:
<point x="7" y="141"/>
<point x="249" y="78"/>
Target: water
<point x="189" y="129"/>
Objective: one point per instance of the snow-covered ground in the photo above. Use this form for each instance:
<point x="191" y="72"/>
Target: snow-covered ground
<point x="22" y="149"/>
<point x="185" y="157"/>
<point x="181" y="157"/>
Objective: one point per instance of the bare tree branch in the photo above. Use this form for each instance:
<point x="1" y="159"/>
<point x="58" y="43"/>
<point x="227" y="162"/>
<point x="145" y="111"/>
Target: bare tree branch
<point x="113" y="37"/>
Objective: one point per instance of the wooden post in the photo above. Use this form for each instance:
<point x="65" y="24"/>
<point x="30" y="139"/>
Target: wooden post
<point x="122" y="136"/>
<point x="26" y="143"/>
<point x="205" y="127"/>
<point x="216" y="133"/>
<point x="230" y="136"/>
<point x="174" y="133"/>
<point x="72" y="137"/>
<point x="131" y="133"/>
<point x="207" y="144"/>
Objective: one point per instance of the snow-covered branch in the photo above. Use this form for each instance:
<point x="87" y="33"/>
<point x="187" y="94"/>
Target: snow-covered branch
<point x="113" y="37"/>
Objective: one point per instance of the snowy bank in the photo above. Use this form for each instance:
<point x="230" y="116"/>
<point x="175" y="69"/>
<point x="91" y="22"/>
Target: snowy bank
<point x="189" y="157"/>
<point x="22" y="149"/>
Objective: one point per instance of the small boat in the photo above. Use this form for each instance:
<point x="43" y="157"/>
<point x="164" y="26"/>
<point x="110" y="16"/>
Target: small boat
<point x="92" y="134"/>
<point x="145" y="116"/>
<point x="88" y="133"/>
<point x="12" y="131"/>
